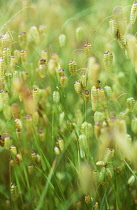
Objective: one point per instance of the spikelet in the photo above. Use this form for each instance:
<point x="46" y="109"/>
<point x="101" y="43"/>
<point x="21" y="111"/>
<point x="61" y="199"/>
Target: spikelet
<point x="42" y="30"/>
<point x="6" y="40"/>
<point x="12" y="62"/>
<point x="38" y="158"/>
<point x="44" y="54"/>
<point x="60" y="72"/>
<point x="83" y="144"/>
<point x="94" y="98"/>
<point x="102" y="175"/>
<point x="63" y="80"/>
<point x="99" y="117"/>
<point x="78" y="87"/>
<point x="133" y="13"/>
<point x="6" y="53"/>
<point x="87" y="129"/>
<point x="60" y="143"/>
<point x="13" y="192"/>
<point x="56" y="97"/>
<point x="83" y="80"/>
<point x="18" y="124"/>
<point x="134" y="125"/>
<point x="95" y="206"/>
<point x="33" y="155"/>
<point x="30" y="169"/>
<point x="108" y="92"/>
<point x="131" y="180"/>
<point x="87" y="96"/>
<point x="7" y="142"/>
<point x="35" y="95"/>
<point x="79" y="33"/>
<point x="108" y="61"/>
<point x="17" y="55"/>
<point x="100" y="163"/>
<point x="114" y="28"/>
<point x="33" y="36"/>
<point x="23" y="55"/>
<point x="15" y="110"/>
<point x="88" y="50"/>
<point x="57" y="150"/>
<point x="13" y="150"/>
<point x="22" y="39"/>
<point x="93" y="70"/>
<point x="41" y="135"/>
<point x="87" y="199"/>
<point x="101" y="96"/>
<point x="62" y="40"/>
<point x="109" y="154"/>
<point x="73" y="67"/>
<point x="131" y="104"/>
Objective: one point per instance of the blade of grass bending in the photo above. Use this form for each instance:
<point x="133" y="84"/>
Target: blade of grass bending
<point x="40" y="203"/>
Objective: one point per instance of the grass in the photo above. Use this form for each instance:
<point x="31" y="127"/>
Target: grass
<point x="68" y="137"/>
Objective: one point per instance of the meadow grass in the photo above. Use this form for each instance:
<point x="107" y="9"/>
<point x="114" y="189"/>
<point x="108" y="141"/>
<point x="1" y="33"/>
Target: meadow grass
<point x="68" y="110"/>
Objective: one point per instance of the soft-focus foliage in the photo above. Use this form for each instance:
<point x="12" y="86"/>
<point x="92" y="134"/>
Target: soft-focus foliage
<point x="68" y="104"/>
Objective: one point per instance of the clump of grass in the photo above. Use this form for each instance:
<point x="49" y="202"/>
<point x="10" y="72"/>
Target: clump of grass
<point x="68" y="110"/>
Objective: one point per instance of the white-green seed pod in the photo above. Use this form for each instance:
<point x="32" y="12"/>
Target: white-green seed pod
<point x="108" y="61"/>
<point x="94" y="98"/>
<point x="41" y="135"/>
<point x="73" y="67"/>
<point x="83" y="80"/>
<point x="109" y="173"/>
<point x="24" y="55"/>
<point x="33" y="155"/>
<point x="13" y="149"/>
<point x="134" y="125"/>
<point x="13" y="191"/>
<point x="88" y="50"/>
<point x="109" y="154"/>
<point x="133" y="13"/>
<point x="101" y="96"/>
<point x="42" y="70"/>
<point x="78" y="87"/>
<point x="18" y="124"/>
<point x="95" y="206"/>
<point x="83" y="144"/>
<point x="57" y="150"/>
<point x="113" y="28"/>
<point x="87" y="199"/>
<point x="62" y="40"/>
<point x="99" y="117"/>
<point x="131" y="104"/>
<point x="56" y="97"/>
<point x="102" y="175"/>
<point x="22" y="39"/>
<point x="60" y="143"/>
<point x="38" y="158"/>
<point x="63" y="80"/>
<point x="44" y="54"/>
<point x="35" y="94"/>
<point x="100" y="163"/>
<point x="108" y="92"/>
<point x="60" y="72"/>
<point x="79" y="33"/>
<point x="30" y="169"/>
<point x="12" y="62"/>
<point x="17" y="55"/>
<point x="131" y="180"/>
<point x="7" y="142"/>
<point x="87" y="129"/>
<point x="6" y="55"/>
<point x="33" y="35"/>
